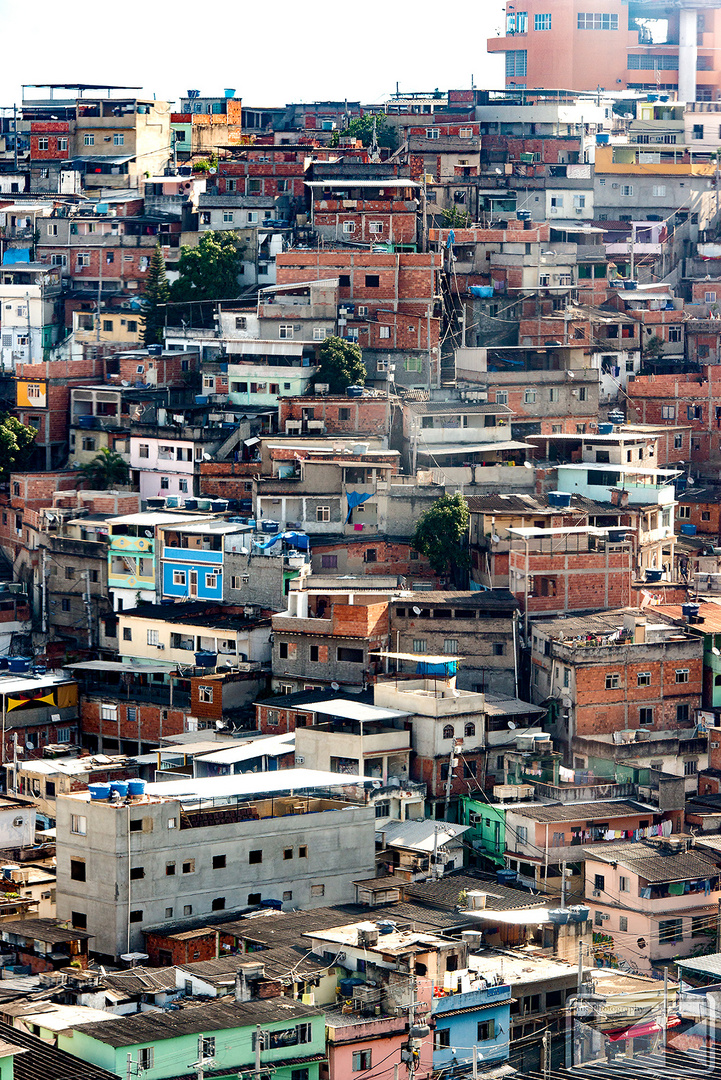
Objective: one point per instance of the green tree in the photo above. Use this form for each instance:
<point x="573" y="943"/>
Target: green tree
<point x="441" y="534"/>
<point x="156" y="296"/>
<point x="107" y="469"/>
<point x="653" y="347"/>
<point x="341" y="365"/>
<point x="15" y="442"/>
<point x="361" y="127"/>
<point x="455" y="218"/>
<point x="207" y="272"/>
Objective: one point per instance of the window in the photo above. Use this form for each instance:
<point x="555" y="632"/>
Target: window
<point x="329" y="562"/>
<point x="118" y="140"/>
<point x="643" y="678"/>
<point x="79" y="920"/>
<point x="622" y="926"/>
<point x="613" y="681"/>
<point x="690" y="767"/>
<point x="228" y="216"/>
<point x="522" y="834"/>
<point x="375" y="227"/>
<point x="487" y="1028"/>
<point x="627" y="191"/>
<point x="349" y="227"/>
<point x="469" y="770"/>
<point x="78" y="824"/>
<point x="498" y="648"/>
<point x="516" y="62"/>
<point x="136" y="916"/>
<point x="675" y="333"/>
<point x="320" y="333"/>
<point x="218" y="905"/>
<point x="598" y="919"/>
<point x="285" y="331"/>
<point x="383" y="809"/>
<point x="372" y="281"/>
<point x="700" y="926"/>
<point x="553" y="394"/>
<point x="597" y="21"/>
<point x="189" y="866"/>
<point x="255" y="856"/>
<point x="62" y="143"/>
<point x="146" y="1057"/>
<point x="668" y="412"/>
<point x="658" y="191"/>
<point x="137" y="873"/>
<point x="179" y="577"/>
<point x="384" y="332"/>
<point x="645" y="715"/>
<point x="441" y="1038"/>
<point x="205" y="693"/>
<point x="541" y="22"/>
<point x="153" y="637"/>
<point x="89" y="140"/>
<point x="420" y="645"/>
<point x="350" y="656"/>
<point x="413" y="363"/>
<point x="170" y="869"/>
<point x="624" y="885"/>
<point x="469" y="731"/>
<point x="682" y="675"/>
<point x="361" y="1060"/>
<point x="682" y="713"/>
<point x="448" y="731"/>
<point x="303" y="851"/>
<point x="314" y="654"/>
<point x="77" y="869"/>
<point x="450" y="646"/>
<point x="529" y="397"/>
<point x="317" y="890"/>
<point x="322" y="513"/>
<point x="670" y="930"/>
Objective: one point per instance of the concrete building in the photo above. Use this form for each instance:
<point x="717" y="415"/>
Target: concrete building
<point x="479" y="626"/>
<point x="158" y="857"/>
<point x="556" y="45"/>
<point x="31" y="316"/>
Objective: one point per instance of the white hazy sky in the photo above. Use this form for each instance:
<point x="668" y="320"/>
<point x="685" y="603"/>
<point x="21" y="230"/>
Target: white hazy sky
<point x="272" y="53"/>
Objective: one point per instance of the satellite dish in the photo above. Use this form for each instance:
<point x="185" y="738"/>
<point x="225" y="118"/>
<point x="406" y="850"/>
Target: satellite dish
<point x="496" y="538"/>
<point x="377" y="784"/>
<point x="149" y="533"/>
<point x="690" y="481"/>
<point x="511" y="725"/>
<point x="335" y="686"/>
<point x="715" y="651"/>
<point x="125" y="383"/>
<point x="570" y="375"/>
<point x="207" y="457"/>
<point x="29" y="745"/>
<point x="416" y="610"/>
<point x="527" y="465"/>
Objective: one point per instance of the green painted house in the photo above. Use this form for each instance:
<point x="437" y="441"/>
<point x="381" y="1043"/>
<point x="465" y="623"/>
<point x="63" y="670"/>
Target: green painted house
<point x="487" y="827"/>
<point x="168" y="1044"/>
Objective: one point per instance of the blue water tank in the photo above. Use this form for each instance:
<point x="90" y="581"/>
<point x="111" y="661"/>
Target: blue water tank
<point x="191" y="504"/>
<point x="4" y="661"/>
<point x="119" y="787"/>
<point x="354" y="391"/>
<point x="219" y="506"/>
<point x="267" y="525"/>
<point x="99" y="791"/>
<point x="136" y="787"/>
<point x="19" y="664"/>
<point x="558" y="915"/>
<point x="201" y="399"/>
<point x="653" y="575"/>
<point x="559" y="498"/>
<point x="605" y="429"/>
<point x="602" y="138"/>
<point x="206" y="659"/>
<point x="687" y="529"/>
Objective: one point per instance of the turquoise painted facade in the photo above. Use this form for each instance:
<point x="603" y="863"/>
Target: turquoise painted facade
<point x="487" y="827"/>
<point x="165" y="1048"/>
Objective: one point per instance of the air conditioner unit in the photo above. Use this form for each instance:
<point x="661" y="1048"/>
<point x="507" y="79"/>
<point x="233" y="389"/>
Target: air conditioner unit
<point x="161" y="646"/>
<point x="596" y="892"/>
<point x="603" y="917"/>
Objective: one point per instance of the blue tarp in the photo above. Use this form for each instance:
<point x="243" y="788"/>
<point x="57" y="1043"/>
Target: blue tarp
<point x="449" y="667"/>
<point x="16" y="255"/>
<point x="483" y="291"/>
<point x="297" y="539"/>
<point x="355" y="498"/>
<point x="451" y="239"/>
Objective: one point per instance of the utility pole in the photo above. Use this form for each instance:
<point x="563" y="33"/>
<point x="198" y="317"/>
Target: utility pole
<point x="88" y="607"/>
<point x="633" y="250"/>
<point x="563" y="884"/>
<point x="452" y="762"/>
<point x="44" y="572"/>
<point x="204" y="1060"/>
<point x="15" y="133"/>
<point x="718" y="928"/>
<point x="260" y="1041"/>
<point x="579" y="979"/>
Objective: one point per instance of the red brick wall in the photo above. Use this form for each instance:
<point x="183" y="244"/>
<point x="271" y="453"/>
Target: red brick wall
<point x="428" y="771"/>
<point x="368" y="416"/>
<point x="147" y="727"/>
<point x="582" y="581"/>
<point x="601" y="711"/>
<point x="202" y="946"/>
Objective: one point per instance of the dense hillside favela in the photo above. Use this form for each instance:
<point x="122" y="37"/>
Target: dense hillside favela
<point x="360" y="570"/>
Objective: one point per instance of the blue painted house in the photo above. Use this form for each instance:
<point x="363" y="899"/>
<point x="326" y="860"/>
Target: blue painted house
<point x="192" y="556"/>
<point x="479" y="1017"/>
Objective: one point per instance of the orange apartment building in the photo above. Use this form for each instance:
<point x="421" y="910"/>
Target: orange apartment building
<point x="574" y="45"/>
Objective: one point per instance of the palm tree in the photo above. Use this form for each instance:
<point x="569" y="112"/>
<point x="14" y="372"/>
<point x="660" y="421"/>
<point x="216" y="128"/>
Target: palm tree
<point x="107" y="469"/>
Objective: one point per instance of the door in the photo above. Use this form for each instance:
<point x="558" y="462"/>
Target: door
<point x="194" y="583"/>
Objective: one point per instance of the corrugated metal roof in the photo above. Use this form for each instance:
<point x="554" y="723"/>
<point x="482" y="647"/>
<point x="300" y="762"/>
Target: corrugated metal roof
<point x="419" y="835"/>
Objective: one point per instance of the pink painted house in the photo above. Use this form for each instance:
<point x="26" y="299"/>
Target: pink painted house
<point x="370" y="1045"/>
<point x="651" y="901"/>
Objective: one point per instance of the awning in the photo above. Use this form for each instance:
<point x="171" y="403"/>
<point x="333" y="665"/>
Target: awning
<point x="471" y="448"/>
<point x="251" y="442"/>
<point x="651" y="1028"/>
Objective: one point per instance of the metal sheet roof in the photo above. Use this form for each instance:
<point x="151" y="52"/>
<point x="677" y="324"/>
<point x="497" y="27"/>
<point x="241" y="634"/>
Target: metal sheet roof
<point x="285" y="780"/>
<point x="353" y="710"/>
<point x="273" y="745"/>
<point x="419" y="835"/>
<point x="432" y="450"/>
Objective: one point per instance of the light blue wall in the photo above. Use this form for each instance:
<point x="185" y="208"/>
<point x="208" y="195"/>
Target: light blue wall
<point x="494" y="1003"/>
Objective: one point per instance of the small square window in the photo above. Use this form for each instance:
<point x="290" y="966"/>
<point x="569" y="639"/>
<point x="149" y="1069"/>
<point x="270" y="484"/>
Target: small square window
<point x="219" y="862"/>
<point x="255" y="856"/>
